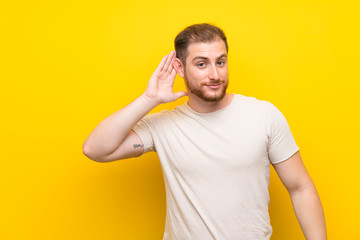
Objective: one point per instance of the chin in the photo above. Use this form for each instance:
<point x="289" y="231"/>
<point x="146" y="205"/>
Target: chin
<point x="210" y="97"/>
<point x="214" y="99"/>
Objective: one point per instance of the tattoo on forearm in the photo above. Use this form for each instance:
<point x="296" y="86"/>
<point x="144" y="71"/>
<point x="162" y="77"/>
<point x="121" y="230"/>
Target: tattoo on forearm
<point x="138" y="145"/>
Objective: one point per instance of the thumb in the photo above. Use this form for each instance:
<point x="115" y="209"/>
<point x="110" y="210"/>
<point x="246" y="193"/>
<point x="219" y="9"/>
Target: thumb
<point x="180" y="94"/>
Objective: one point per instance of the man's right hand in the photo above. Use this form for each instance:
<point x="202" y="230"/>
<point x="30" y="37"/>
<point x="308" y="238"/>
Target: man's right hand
<point x="113" y="139"/>
<point x="160" y="86"/>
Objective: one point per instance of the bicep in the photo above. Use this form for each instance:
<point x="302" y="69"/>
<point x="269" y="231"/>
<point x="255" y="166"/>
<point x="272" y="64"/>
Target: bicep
<point x="293" y="174"/>
<point x="132" y="146"/>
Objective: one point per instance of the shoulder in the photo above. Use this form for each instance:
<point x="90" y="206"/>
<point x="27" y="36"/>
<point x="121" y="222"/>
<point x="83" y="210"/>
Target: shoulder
<point x="254" y="103"/>
<point x="164" y="115"/>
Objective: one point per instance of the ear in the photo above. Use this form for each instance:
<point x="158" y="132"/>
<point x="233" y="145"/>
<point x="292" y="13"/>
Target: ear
<point x="179" y="67"/>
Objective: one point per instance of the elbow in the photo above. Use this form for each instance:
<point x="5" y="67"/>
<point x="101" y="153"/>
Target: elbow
<point x="89" y="153"/>
<point x="307" y="188"/>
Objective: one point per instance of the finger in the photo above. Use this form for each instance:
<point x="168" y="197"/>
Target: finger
<point x="171" y="66"/>
<point x="169" y="61"/>
<point x="173" y="73"/>
<point x="162" y="63"/>
<point x="180" y="94"/>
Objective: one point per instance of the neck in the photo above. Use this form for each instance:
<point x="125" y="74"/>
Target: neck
<point x="201" y="106"/>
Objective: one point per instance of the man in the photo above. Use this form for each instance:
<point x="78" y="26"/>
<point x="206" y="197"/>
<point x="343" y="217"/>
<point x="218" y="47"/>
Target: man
<point x="215" y="150"/>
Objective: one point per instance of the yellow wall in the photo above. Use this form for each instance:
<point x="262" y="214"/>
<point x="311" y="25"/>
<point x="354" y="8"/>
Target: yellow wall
<point x="67" y="65"/>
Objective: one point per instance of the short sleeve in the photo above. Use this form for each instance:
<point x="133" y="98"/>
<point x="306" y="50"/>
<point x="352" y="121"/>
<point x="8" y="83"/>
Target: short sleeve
<point x="143" y="130"/>
<point x="282" y="144"/>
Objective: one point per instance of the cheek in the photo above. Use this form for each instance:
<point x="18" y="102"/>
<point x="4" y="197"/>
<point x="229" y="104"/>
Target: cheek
<point x="197" y="75"/>
<point x="224" y="72"/>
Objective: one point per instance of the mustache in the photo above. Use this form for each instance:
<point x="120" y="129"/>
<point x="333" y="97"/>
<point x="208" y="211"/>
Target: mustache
<point x="213" y="82"/>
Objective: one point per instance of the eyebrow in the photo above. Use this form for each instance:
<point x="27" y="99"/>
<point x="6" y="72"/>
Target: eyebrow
<point x="205" y="58"/>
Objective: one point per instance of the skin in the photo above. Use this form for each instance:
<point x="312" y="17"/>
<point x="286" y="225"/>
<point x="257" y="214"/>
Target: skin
<point x="206" y="78"/>
<point x="304" y="197"/>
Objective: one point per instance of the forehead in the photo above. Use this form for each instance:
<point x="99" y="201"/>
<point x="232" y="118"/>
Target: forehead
<point x="211" y="50"/>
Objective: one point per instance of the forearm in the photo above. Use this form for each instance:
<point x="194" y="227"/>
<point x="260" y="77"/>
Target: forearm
<point x="309" y="212"/>
<point x="111" y="132"/>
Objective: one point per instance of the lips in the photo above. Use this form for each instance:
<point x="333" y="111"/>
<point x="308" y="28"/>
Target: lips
<point x="213" y="85"/>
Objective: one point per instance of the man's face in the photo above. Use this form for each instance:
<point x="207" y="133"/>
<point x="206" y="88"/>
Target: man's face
<point x="206" y="70"/>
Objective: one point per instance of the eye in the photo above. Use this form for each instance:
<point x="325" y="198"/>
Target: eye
<point x="221" y="63"/>
<point x="201" y="64"/>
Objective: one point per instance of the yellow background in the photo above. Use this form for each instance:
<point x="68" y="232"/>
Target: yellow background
<point x="67" y="65"/>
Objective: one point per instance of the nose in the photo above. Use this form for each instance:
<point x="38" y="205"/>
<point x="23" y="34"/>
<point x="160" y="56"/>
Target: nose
<point x="213" y="73"/>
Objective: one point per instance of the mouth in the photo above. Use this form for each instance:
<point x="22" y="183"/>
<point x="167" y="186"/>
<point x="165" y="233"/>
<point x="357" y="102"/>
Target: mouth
<point x="213" y="86"/>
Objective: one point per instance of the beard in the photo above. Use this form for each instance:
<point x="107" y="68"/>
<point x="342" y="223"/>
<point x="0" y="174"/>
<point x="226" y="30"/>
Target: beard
<point x="212" y="96"/>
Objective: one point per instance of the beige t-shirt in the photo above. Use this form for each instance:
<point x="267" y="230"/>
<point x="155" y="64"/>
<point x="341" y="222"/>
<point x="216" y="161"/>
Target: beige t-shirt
<point x="216" y="167"/>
